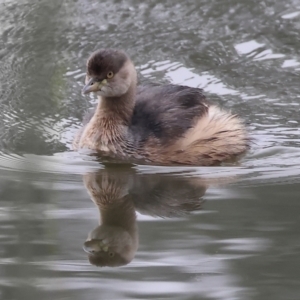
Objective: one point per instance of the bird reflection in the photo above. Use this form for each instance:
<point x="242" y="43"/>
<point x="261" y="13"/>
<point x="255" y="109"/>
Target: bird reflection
<point x="115" y="241"/>
<point x="119" y="193"/>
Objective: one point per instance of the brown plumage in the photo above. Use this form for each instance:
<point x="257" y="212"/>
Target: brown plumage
<point x="161" y="124"/>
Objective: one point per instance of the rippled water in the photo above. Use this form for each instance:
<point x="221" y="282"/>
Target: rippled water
<point x="226" y="232"/>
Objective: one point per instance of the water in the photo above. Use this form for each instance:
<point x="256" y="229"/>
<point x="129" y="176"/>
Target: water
<point x="226" y="232"/>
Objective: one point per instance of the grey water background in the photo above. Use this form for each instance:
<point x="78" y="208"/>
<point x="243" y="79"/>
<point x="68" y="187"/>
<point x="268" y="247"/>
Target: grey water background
<point x="240" y="241"/>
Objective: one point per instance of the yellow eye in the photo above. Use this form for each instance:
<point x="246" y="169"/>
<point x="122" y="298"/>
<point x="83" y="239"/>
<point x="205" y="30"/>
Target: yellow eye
<point x="110" y="74"/>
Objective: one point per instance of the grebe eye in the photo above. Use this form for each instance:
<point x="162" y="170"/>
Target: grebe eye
<point x="110" y="74"/>
<point x="111" y="254"/>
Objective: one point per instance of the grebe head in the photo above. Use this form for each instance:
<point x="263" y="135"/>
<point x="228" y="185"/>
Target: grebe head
<point x="110" y="73"/>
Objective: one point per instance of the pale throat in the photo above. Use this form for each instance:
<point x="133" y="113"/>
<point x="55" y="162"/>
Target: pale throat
<point x="117" y="110"/>
<point x="111" y="120"/>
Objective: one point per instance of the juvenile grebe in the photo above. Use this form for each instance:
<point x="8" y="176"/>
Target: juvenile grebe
<point x="161" y="124"/>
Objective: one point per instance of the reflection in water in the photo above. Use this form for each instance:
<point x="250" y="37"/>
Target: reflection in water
<point x="118" y="194"/>
<point x="115" y="241"/>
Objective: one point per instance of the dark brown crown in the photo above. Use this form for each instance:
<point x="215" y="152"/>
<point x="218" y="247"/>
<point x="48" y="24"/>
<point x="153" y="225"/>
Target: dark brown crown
<point x="105" y="60"/>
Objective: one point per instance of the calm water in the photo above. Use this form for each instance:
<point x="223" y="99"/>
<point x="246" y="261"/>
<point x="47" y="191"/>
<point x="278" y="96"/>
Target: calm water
<point x="228" y="232"/>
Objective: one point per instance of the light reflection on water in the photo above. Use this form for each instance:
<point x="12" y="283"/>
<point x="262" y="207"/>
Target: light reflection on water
<point x="178" y="74"/>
